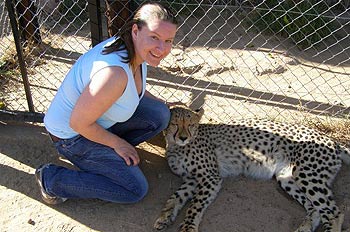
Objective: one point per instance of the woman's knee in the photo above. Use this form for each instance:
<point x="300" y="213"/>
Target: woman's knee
<point x="163" y="113"/>
<point x="155" y="112"/>
<point x="130" y="188"/>
<point x="141" y="191"/>
<point x="138" y="185"/>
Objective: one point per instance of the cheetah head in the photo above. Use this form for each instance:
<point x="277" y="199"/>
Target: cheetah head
<point x="183" y="125"/>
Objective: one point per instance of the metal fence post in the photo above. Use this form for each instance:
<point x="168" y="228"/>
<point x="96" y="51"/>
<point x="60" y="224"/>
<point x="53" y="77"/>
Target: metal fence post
<point x="95" y="21"/>
<point x="22" y="65"/>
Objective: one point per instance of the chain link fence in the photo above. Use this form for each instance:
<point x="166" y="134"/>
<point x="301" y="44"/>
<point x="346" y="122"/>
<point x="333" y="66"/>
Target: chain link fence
<point x="263" y="58"/>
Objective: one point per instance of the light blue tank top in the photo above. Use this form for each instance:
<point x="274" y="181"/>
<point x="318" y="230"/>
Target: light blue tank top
<point x="57" y="117"/>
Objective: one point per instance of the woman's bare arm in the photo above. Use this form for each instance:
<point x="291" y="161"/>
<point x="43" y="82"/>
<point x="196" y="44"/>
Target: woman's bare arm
<point x="103" y="90"/>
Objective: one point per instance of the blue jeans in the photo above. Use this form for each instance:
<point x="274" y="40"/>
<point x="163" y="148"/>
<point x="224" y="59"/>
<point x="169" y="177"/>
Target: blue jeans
<point x="102" y="173"/>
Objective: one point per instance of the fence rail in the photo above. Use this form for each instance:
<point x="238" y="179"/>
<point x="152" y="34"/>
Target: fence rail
<point x="263" y="58"/>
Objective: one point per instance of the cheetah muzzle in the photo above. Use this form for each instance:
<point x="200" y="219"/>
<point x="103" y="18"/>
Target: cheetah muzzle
<point x="304" y="162"/>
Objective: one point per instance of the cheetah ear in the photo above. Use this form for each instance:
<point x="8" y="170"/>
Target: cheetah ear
<point x="199" y="112"/>
<point x="177" y="105"/>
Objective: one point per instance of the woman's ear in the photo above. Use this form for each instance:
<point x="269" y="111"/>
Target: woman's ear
<point x="134" y="30"/>
<point x="199" y="112"/>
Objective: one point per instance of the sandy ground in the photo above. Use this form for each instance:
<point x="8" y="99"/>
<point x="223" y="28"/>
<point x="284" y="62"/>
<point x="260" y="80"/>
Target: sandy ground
<point x="242" y="206"/>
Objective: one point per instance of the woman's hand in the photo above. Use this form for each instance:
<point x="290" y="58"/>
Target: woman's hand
<point x="127" y="152"/>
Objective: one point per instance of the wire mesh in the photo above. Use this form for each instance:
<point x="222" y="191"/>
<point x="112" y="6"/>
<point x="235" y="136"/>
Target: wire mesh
<point x="267" y="58"/>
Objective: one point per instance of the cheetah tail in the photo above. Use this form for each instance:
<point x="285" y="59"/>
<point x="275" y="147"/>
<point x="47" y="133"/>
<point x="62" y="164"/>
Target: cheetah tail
<point x="344" y="153"/>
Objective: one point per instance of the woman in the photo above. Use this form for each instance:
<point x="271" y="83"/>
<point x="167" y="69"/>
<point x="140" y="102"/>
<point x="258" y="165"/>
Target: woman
<point x="102" y="110"/>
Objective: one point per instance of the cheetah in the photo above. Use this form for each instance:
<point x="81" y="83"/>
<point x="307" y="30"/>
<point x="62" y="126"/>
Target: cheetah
<point x="302" y="160"/>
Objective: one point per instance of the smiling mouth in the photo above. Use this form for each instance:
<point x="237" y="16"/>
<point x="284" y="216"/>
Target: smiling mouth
<point x="154" y="55"/>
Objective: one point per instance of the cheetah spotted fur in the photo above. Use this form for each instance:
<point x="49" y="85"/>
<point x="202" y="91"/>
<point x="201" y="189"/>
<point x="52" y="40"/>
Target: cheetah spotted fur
<point x="303" y="161"/>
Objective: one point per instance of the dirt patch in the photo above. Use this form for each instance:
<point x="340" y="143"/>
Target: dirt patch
<point x="243" y="205"/>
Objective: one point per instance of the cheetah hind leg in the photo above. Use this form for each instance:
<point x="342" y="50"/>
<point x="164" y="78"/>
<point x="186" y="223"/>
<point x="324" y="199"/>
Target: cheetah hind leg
<point x="287" y="183"/>
<point x="337" y="222"/>
<point x="175" y="203"/>
<point x="323" y="202"/>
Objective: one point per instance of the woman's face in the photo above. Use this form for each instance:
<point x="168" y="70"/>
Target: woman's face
<point x="153" y="41"/>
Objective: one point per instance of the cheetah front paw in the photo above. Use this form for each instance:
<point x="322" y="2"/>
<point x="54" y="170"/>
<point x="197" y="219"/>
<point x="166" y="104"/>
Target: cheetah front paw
<point x="304" y="227"/>
<point x="163" y="222"/>
<point x="184" y="227"/>
<point x="336" y="223"/>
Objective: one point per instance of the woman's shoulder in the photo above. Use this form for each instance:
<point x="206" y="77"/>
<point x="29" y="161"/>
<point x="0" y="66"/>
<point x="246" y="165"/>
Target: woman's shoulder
<point x="113" y="71"/>
<point x="111" y="76"/>
<point x="111" y="59"/>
